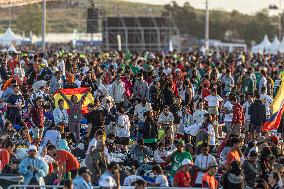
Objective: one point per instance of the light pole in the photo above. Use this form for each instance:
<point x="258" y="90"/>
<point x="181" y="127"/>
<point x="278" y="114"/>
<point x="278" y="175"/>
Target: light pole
<point x="43" y="24"/>
<point x="206" y="26"/>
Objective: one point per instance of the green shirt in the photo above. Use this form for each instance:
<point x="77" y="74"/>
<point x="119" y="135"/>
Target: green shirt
<point x="177" y="158"/>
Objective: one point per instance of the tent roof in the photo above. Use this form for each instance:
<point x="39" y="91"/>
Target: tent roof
<point x="8" y="37"/>
<point x="274" y="45"/>
<point x="281" y="46"/>
<point x="264" y="45"/>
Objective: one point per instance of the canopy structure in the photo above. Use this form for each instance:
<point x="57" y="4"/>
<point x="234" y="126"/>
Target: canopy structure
<point x="12" y="49"/>
<point x="281" y="46"/>
<point x="274" y="47"/>
<point x="263" y="46"/>
<point x="9" y="38"/>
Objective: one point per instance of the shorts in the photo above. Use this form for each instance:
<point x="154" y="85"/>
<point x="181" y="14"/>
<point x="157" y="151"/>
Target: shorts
<point x="122" y="140"/>
<point x="255" y="128"/>
<point x="213" y="110"/>
<point x="247" y="125"/>
<point x="236" y="130"/>
<point x="37" y="132"/>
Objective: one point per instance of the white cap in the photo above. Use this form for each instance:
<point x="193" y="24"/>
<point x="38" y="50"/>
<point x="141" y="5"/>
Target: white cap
<point x="186" y="162"/>
<point x="107" y="181"/>
<point x="177" y="70"/>
<point x="32" y="147"/>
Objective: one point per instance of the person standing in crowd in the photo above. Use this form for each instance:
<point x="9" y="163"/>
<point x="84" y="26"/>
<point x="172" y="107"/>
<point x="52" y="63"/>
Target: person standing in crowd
<point x="15" y="103"/>
<point x="251" y="169"/>
<point x="213" y="101"/>
<point x="263" y="81"/>
<point x="83" y="180"/>
<point x="235" y="153"/>
<point x="227" y="82"/>
<point x="75" y="113"/>
<point x="177" y="157"/>
<point x="257" y="114"/>
<point x="139" y="112"/>
<point x="33" y="169"/>
<point x="238" y="118"/>
<point x="118" y="90"/>
<point x="123" y="129"/>
<point x="266" y="100"/>
<point x="56" y="82"/>
<point x="37" y="119"/>
<point x="68" y="164"/>
<point x="60" y="116"/>
<point x="247" y="124"/>
<point x="96" y="161"/>
<point x="140" y="88"/>
<point x="202" y="162"/>
<point x="247" y="84"/>
<point x="228" y="111"/>
<point x="95" y="118"/>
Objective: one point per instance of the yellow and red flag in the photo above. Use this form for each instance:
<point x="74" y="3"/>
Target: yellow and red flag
<point x="79" y="92"/>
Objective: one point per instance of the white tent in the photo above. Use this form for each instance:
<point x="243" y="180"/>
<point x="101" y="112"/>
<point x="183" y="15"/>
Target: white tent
<point x="263" y="46"/>
<point x="8" y="38"/>
<point x="281" y="46"/>
<point x="274" y="46"/>
<point x="12" y="49"/>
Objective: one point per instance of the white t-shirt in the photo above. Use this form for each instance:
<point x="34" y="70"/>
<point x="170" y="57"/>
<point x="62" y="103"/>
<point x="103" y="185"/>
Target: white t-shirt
<point x="162" y="181"/>
<point x="198" y="116"/>
<point x="213" y="100"/>
<point x="130" y="179"/>
<point x="229" y="106"/>
<point x="211" y="132"/>
<point x="246" y="106"/>
<point x="140" y="110"/>
<point x="166" y="118"/>
<point x="123" y="126"/>
<point x="266" y="100"/>
<point x="262" y="83"/>
<point x="202" y="162"/>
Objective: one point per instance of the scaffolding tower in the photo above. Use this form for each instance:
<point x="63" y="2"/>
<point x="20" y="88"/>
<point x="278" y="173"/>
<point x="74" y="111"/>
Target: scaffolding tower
<point x="139" y="33"/>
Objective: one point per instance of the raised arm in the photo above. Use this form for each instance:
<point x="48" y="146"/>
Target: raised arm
<point x="64" y="97"/>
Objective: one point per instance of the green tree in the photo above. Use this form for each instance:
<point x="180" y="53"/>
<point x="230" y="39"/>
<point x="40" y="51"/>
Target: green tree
<point x="30" y="19"/>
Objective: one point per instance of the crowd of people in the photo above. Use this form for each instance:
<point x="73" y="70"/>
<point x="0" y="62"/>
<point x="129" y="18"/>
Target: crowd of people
<point x="156" y="119"/>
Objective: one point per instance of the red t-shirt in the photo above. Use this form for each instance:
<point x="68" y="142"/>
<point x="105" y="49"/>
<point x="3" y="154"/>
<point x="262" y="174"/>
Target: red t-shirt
<point x="182" y="179"/>
<point x="71" y="161"/>
<point x="4" y="158"/>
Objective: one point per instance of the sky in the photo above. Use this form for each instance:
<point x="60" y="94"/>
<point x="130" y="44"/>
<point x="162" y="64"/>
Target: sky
<point x="245" y="6"/>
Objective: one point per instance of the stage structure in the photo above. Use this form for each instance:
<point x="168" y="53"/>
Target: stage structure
<point x="138" y="33"/>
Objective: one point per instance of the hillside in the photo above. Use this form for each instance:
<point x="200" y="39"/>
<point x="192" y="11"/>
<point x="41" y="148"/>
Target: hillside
<point x="65" y="18"/>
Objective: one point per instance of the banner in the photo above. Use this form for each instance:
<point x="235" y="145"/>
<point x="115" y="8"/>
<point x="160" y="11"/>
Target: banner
<point x="79" y="92"/>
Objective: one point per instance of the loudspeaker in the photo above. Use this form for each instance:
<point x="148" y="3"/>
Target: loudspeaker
<point x="92" y="20"/>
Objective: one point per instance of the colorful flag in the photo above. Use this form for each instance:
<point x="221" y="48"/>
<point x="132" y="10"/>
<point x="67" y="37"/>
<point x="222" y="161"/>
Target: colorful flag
<point x="279" y="98"/>
<point x="277" y="109"/>
<point x="274" y="121"/>
<point x="79" y="92"/>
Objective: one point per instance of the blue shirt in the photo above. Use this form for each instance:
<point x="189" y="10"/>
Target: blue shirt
<point x="80" y="183"/>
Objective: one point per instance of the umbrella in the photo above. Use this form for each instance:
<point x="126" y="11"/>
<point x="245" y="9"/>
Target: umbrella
<point x="38" y="84"/>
